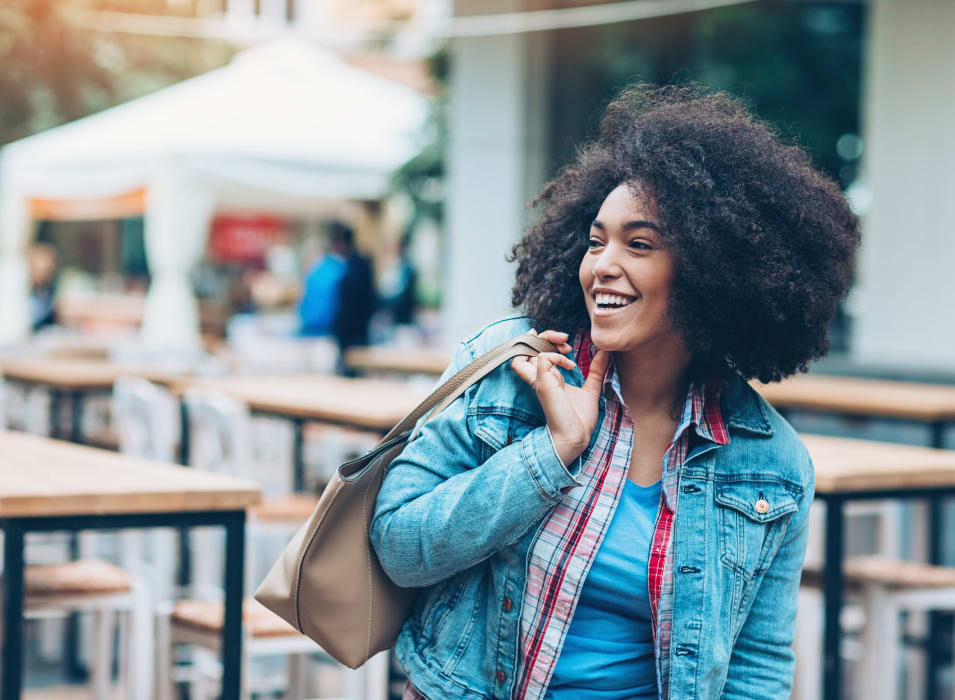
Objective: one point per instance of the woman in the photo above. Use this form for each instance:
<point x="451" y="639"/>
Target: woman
<point x="627" y="518"/>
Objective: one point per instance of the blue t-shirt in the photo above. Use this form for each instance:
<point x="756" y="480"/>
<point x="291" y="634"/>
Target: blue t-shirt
<point x="608" y="652"/>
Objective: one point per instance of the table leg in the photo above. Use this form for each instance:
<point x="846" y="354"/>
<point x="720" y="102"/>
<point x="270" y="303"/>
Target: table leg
<point x="76" y="669"/>
<point x="56" y="400"/>
<point x="76" y="417"/>
<point x="234" y="582"/>
<point x="935" y="656"/>
<point x="183" y="433"/>
<point x="298" y="454"/>
<point x="12" y="666"/>
<point x="832" y="589"/>
<point x="185" y="551"/>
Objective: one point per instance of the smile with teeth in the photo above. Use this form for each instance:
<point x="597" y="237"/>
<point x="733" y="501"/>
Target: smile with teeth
<point x="612" y="301"/>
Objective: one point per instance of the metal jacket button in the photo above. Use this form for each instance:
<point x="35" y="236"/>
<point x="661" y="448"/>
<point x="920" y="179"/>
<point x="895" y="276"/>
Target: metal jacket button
<point x="500" y="676"/>
<point x="506" y="604"/>
<point x="761" y="506"/>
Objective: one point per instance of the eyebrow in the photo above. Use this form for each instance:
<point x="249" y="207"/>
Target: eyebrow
<point x="630" y="225"/>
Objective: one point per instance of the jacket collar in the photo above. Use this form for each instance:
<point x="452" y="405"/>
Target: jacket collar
<point x="743" y="408"/>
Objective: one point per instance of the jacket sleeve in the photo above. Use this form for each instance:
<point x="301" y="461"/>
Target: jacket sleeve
<point x="763" y="661"/>
<point x="440" y="511"/>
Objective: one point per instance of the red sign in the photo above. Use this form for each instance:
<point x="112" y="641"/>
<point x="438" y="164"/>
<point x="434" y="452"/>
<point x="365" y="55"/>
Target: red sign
<point x="244" y="239"/>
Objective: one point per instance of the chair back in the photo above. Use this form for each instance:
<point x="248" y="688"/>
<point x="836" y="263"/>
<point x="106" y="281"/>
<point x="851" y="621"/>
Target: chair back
<point x="147" y="419"/>
<point x="220" y="433"/>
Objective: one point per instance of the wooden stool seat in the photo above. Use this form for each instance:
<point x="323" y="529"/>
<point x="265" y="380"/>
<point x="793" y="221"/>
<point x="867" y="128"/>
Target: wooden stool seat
<point x="207" y="616"/>
<point x="83" y="577"/>
<point x="894" y="574"/>
<point x="295" y="508"/>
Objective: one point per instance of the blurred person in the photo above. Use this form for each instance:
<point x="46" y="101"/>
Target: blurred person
<point x="399" y="287"/>
<point x="684" y="252"/>
<point x="42" y="262"/>
<point x="339" y="296"/>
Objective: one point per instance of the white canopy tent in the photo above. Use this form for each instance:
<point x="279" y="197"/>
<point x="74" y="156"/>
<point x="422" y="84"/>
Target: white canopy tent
<point x="283" y="124"/>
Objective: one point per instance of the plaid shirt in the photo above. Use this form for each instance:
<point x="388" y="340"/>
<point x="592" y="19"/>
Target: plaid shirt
<point x="570" y="538"/>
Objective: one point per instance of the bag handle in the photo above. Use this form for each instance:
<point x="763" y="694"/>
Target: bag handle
<point x="528" y="345"/>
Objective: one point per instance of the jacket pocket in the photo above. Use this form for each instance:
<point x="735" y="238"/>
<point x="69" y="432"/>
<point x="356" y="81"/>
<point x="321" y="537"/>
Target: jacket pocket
<point x="498" y="430"/>
<point x="753" y="513"/>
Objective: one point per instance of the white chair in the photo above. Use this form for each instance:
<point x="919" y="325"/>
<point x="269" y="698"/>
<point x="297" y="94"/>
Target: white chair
<point x="106" y="592"/>
<point x="146" y="419"/>
<point x="890" y="587"/>
<point x="221" y="440"/>
<point x="881" y="518"/>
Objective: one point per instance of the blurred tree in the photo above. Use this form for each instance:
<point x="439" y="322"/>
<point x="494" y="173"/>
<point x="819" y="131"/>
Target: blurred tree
<point x="49" y="73"/>
<point x="798" y="65"/>
<point x="421" y="178"/>
<point x="57" y="69"/>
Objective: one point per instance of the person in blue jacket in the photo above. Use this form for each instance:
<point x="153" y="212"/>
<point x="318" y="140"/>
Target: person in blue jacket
<point x="339" y="296"/>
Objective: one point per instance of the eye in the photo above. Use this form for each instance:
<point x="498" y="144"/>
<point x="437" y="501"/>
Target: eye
<point x="640" y="244"/>
<point x="594" y="242"/>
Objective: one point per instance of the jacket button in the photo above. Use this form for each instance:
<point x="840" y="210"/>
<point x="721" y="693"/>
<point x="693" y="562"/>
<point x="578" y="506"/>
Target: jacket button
<point x="506" y="604"/>
<point x="500" y="676"/>
<point x="761" y="506"/>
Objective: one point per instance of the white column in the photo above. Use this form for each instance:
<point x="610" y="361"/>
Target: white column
<point x="492" y="171"/>
<point x="178" y="211"/>
<point x="907" y="262"/>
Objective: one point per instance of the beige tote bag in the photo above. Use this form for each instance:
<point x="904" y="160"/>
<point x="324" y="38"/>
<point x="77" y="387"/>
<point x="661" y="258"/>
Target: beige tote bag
<point x="328" y="583"/>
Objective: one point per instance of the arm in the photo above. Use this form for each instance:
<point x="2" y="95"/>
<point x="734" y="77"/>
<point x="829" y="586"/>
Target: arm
<point x="441" y="511"/>
<point x="762" y="662"/>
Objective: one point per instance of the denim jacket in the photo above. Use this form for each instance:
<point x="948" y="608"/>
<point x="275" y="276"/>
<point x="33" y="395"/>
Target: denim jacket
<point x="459" y="510"/>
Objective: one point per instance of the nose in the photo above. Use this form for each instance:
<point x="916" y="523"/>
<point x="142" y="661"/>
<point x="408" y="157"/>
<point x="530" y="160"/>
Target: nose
<point x="607" y="265"/>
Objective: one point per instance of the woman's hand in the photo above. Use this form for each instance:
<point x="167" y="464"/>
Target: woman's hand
<point x="571" y="411"/>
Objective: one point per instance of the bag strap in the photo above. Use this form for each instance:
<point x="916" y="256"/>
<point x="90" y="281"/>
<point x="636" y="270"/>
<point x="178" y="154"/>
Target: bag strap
<point x="523" y="345"/>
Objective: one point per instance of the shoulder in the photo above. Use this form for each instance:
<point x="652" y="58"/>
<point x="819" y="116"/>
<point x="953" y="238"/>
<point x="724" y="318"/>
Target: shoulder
<point x="501" y="391"/>
<point x="493" y="334"/>
<point x="762" y="441"/>
<point x="789" y="450"/>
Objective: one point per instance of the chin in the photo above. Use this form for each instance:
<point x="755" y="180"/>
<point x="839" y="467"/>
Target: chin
<point x="604" y="340"/>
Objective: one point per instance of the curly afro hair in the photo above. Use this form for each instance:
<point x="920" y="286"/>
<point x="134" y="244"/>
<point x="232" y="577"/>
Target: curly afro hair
<point x="762" y="243"/>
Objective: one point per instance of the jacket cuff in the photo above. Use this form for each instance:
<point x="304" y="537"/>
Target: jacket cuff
<point x="540" y="456"/>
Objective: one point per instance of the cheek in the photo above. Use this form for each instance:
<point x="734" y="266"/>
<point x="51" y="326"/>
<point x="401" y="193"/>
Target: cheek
<point x="584" y="275"/>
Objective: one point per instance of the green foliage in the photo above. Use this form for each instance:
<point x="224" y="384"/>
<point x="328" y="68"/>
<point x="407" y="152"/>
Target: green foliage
<point x="422" y="177"/>
<point x="56" y="68"/>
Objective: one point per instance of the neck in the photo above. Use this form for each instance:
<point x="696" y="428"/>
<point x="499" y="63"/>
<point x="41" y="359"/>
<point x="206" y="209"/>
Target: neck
<point x="653" y="380"/>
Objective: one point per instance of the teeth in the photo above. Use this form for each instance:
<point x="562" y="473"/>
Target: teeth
<point x="611" y="299"/>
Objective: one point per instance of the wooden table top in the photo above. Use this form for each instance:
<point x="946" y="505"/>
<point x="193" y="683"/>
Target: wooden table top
<point x="79" y="375"/>
<point x="871" y="397"/>
<point x="359" y="403"/>
<point x="381" y="358"/>
<point x="40" y="477"/>
<point x="845" y="464"/>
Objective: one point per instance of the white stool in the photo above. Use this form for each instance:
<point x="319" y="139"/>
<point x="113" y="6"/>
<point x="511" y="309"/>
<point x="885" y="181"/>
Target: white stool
<point x="105" y="591"/>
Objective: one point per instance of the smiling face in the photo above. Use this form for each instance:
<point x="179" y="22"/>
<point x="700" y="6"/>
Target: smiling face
<point x="626" y="275"/>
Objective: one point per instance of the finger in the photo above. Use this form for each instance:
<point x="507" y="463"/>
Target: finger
<point x="559" y="339"/>
<point x="598" y="370"/>
<point x="525" y="372"/>
<point x="558" y="360"/>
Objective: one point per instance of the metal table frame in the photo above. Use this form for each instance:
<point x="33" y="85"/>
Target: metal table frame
<point x="14" y="529"/>
<point x="76" y="398"/>
<point x="835" y="552"/>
